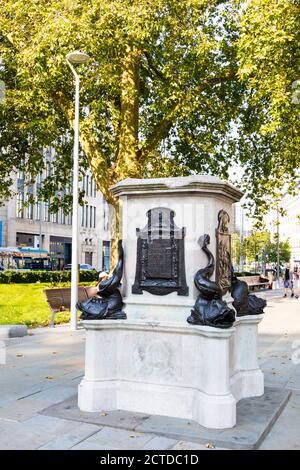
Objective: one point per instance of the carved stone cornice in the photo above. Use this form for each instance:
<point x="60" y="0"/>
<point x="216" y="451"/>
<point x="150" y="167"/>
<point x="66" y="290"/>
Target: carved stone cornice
<point x="204" y="184"/>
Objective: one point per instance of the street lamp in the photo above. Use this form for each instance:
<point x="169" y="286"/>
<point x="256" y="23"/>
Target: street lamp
<point x="74" y="58"/>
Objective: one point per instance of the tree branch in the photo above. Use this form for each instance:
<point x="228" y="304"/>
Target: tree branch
<point x="162" y="128"/>
<point x="153" y="67"/>
<point x="89" y="144"/>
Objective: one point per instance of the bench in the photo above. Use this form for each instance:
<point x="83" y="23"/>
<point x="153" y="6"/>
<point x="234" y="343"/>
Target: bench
<point x="255" y="282"/>
<point x="59" y="299"/>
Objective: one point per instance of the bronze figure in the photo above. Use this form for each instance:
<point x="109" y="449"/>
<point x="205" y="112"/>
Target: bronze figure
<point x="210" y="309"/>
<point x="245" y="303"/>
<point x="108" y="303"/>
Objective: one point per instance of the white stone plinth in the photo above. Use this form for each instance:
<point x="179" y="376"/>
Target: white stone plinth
<point x="173" y="369"/>
<point x="247" y="380"/>
<point x="155" y="362"/>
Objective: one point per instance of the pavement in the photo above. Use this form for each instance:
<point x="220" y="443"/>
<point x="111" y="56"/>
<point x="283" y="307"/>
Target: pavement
<point x="44" y="368"/>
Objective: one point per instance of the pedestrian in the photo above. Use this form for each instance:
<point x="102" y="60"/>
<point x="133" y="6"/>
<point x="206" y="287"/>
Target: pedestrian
<point x="296" y="269"/>
<point x="298" y="283"/>
<point x="288" y="281"/>
<point x="103" y="276"/>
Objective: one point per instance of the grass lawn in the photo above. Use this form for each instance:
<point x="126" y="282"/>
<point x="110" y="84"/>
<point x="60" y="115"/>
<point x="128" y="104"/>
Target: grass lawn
<point x="26" y="304"/>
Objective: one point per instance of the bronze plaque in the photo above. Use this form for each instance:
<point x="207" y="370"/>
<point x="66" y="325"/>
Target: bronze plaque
<point x="160" y="267"/>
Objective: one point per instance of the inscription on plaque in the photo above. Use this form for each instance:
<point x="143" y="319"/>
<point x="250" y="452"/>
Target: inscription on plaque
<point x="223" y="265"/>
<point x="160" y="266"/>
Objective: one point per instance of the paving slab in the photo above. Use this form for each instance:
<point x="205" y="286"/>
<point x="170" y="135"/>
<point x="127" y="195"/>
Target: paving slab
<point x="121" y="439"/>
<point x="69" y="440"/>
<point x="57" y="393"/>
<point x="68" y="409"/>
<point x="285" y="433"/>
<point x="159" y="443"/>
<point x="185" y="445"/>
<point x="21" y="410"/>
<point x="87" y="445"/>
<point x="33" y="433"/>
<point x="294" y="380"/>
<point x="255" y="418"/>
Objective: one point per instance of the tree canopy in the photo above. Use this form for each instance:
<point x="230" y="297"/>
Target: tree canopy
<point x="173" y="87"/>
<point x="259" y="246"/>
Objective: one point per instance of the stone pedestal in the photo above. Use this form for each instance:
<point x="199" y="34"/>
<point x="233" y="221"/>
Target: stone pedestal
<point x="155" y="362"/>
<point x="172" y="369"/>
<point x="164" y="368"/>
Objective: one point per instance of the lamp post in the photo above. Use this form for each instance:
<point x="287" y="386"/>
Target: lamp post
<point x="278" y="251"/>
<point x="242" y="258"/>
<point x="72" y="59"/>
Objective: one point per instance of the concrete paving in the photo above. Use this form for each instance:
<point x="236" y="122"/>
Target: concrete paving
<point x="255" y="418"/>
<point x="45" y="367"/>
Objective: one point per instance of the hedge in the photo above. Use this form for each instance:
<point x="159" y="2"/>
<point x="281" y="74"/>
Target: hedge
<point x="54" y="277"/>
<point x="246" y="273"/>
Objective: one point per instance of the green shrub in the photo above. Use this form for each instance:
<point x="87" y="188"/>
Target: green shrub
<point x="246" y="273"/>
<point x="53" y="277"/>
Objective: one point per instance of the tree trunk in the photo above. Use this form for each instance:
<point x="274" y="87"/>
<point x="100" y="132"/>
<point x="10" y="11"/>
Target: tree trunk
<point x="115" y="229"/>
<point x="128" y="145"/>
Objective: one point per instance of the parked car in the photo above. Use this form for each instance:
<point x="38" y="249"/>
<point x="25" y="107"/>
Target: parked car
<point x="82" y="267"/>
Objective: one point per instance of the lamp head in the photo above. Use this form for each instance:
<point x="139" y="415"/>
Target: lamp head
<point x="77" y="57"/>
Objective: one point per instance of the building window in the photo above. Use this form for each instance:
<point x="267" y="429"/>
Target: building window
<point x="20" y="205"/>
<point x="94" y="210"/>
<point x="48" y="168"/>
<point x="88" y="258"/>
<point x="69" y="219"/>
<point x="86" y="215"/>
<point x="47" y="212"/>
<point x="62" y="217"/>
<point x="21" y="195"/>
<point x="29" y="203"/>
<point x="106" y="255"/>
<point x="38" y="210"/>
<point x="91" y="216"/>
<point x="48" y="152"/>
<point x="30" y="211"/>
<point x="87" y="185"/>
<point x="105" y="214"/>
<point x="95" y="188"/>
<point x="82" y="216"/>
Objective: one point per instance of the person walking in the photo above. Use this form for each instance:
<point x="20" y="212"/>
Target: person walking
<point x="288" y="281"/>
<point x="297" y="296"/>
